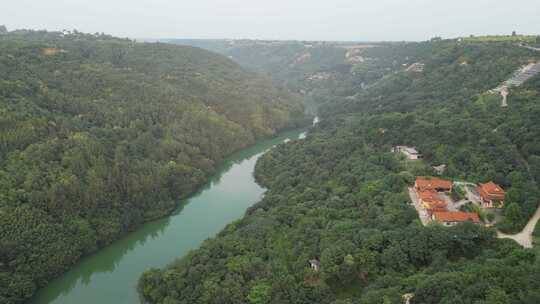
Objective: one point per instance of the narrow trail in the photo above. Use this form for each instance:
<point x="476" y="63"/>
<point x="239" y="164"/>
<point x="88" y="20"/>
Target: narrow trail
<point x="524" y="238"/>
<point x="530" y="47"/>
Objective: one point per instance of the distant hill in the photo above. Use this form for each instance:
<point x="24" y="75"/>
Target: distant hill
<point x="329" y="72"/>
<point x="100" y="134"/>
<point x="313" y="69"/>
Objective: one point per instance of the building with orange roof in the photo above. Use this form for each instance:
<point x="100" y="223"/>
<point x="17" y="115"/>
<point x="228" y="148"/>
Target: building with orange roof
<point x="491" y="195"/>
<point x="50" y="51"/>
<point x="451" y="218"/>
<point x="436" y="206"/>
<point x="427" y="196"/>
<point x="432" y="184"/>
<point x="431" y="201"/>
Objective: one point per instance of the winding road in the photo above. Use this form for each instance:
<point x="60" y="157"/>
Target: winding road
<point x="524" y="238"/>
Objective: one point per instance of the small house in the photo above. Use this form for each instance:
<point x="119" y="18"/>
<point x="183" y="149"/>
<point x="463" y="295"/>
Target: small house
<point x="409" y="152"/>
<point x="315" y="264"/>
<point x="50" y="51"/>
<point x="451" y="218"/>
<point x="491" y="195"/>
<point x="416" y="67"/>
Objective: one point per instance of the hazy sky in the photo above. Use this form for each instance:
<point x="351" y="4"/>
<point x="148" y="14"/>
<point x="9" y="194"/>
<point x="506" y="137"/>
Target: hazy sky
<point x="277" y="19"/>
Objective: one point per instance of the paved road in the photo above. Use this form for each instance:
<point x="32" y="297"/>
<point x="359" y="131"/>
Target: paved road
<point x="531" y="48"/>
<point x="424" y="218"/>
<point x="470" y="194"/>
<point x="455" y="206"/>
<point x="524" y="238"/>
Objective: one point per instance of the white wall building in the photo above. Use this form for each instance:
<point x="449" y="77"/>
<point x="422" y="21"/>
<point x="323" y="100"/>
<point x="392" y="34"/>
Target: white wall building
<point x="409" y="152"/>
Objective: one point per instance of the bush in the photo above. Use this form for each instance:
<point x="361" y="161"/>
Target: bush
<point x="536" y="231"/>
<point x="458" y="193"/>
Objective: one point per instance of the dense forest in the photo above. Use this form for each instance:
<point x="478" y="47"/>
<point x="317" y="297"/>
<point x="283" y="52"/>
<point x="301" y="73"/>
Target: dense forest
<point x="100" y="134"/>
<point x="326" y="72"/>
<point x="316" y="70"/>
<point x="340" y="197"/>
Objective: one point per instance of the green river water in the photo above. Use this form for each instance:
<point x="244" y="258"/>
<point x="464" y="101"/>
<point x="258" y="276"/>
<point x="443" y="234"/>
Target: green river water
<point x="111" y="274"/>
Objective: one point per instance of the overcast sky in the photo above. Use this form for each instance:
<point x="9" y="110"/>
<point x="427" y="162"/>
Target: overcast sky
<point x="372" y="20"/>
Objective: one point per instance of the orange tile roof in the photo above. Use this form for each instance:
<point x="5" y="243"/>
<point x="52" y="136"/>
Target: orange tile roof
<point x="50" y="51"/>
<point x="439" y="204"/>
<point x="431" y="199"/>
<point x="456" y="216"/>
<point x="427" y="195"/>
<point x="432" y="183"/>
<point x="491" y="191"/>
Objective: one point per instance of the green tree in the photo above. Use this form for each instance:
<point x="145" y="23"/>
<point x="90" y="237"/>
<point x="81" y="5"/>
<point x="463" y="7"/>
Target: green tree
<point x="87" y="159"/>
<point x="513" y="213"/>
<point x="497" y="296"/>
<point x="260" y="293"/>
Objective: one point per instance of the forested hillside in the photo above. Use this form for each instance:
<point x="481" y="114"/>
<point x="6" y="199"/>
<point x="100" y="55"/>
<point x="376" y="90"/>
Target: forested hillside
<point x="319" y="71"/>
<point x="100" y="134"/>
<point x="340" y="197"/>
<point x="326" y="72"/>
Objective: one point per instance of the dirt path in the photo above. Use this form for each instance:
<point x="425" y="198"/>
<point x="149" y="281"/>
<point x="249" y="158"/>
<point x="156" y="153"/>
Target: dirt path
<point x="422" y="214"/>
<point x="524" y="238"/>
<point x="531" y="48"/>
<point x="469" y="194"/>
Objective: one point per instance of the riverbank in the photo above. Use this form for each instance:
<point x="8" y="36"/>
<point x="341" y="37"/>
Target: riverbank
<point x="110" y="275"/>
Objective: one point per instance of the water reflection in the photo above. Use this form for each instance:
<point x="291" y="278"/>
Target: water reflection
<point x="110" y="275"/>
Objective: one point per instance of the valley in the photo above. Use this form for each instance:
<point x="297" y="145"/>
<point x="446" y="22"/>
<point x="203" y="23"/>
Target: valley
<point x="171" y="171"/>
<point x="110" y="275"/>
<point x="99" y="135"/>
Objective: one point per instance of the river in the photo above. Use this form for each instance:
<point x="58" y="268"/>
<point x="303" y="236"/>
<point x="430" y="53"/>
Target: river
<point x="111" y="274"/>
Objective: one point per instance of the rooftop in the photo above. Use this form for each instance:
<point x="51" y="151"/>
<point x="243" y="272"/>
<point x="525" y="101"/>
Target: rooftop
<point x="438" y="204"/>
<point x="491" y="191"/>
<point x="492" y="188"/>
<point x="433" y="183"/>
<point x="410" y="150"/>
<point x="456" y="216"/>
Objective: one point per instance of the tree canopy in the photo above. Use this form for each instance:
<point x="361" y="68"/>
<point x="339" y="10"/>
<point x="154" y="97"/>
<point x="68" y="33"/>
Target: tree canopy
<point x="340" y="196"/>
<point x="100" y="134"/>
